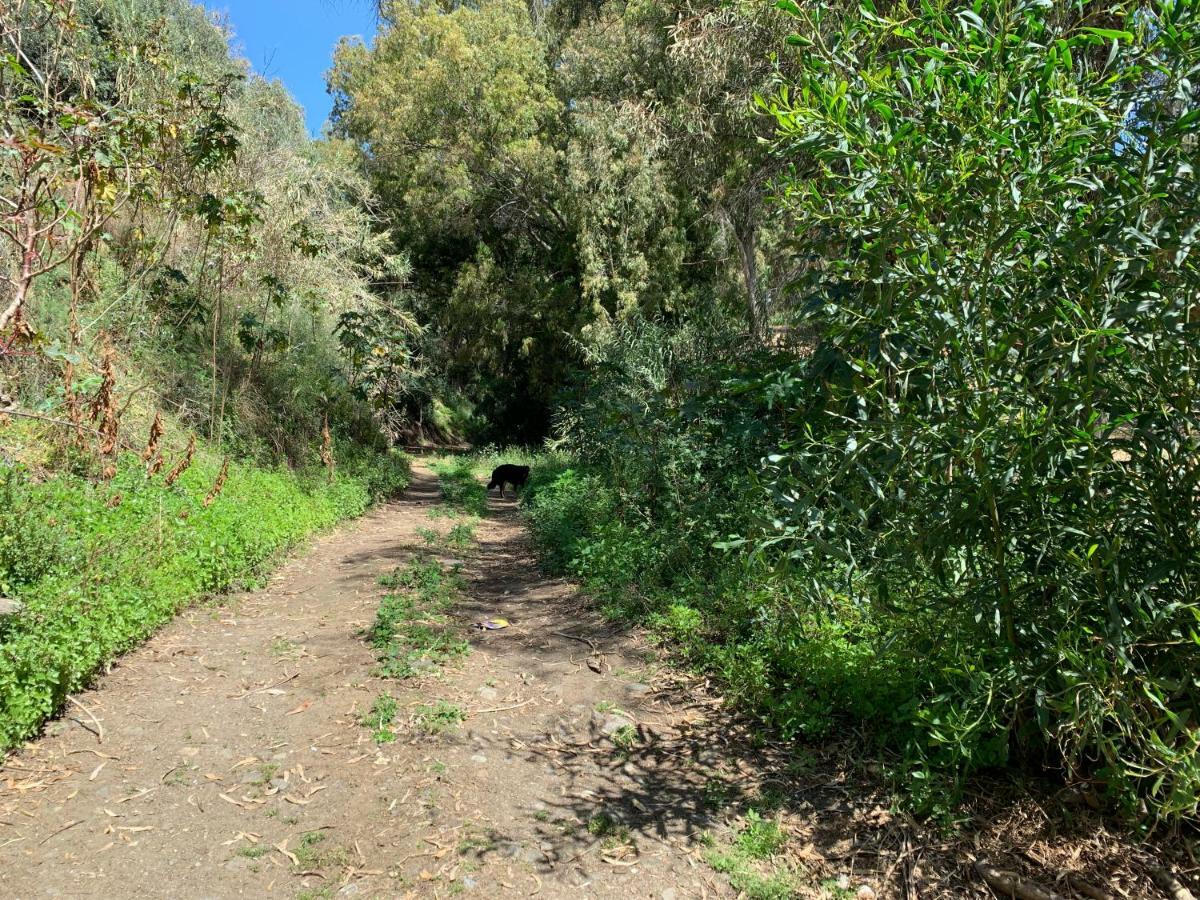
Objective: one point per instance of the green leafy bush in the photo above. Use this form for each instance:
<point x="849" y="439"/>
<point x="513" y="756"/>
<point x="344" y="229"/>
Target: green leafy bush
<point x="565" y="508"/>
<point x="989" y="434"/>
<point x="969" y="520"/>
<point x="29" y="545"/>
<point x="99" y="567"/>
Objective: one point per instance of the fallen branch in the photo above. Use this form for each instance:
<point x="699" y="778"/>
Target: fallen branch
<point x="60" y="831"/>
<point x="1008" y="884"/>
<point x="1079" y="886"/>
<point x="99" y="730"/>
<point x="49" y="420"/>
<point x="492" y="709"/>
<point x="1169" y="884"/>
<point x="93" y="752"/>
<point x="265" y="687"/>
<point x="575" y="637"/>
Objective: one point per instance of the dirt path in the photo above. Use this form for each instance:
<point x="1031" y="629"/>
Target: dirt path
<point x="233" y="762"/>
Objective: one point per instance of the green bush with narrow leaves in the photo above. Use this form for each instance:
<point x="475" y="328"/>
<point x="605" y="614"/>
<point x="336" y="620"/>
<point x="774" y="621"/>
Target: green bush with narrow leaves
<point x="969" y="520"/>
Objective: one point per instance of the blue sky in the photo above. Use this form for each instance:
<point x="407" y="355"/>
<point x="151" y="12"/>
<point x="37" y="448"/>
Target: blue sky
<point x="293" y="40"/>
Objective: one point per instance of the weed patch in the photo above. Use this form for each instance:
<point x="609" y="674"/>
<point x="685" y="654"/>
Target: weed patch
<point x="625" y="738"/>
<point x="748" y="862"/>
<point x="411" y="634"/>
<point x="461" y="536"/>
<point x="460" y="486"/>
<point x="380" y="717"/>
<point x="761" y="838"/>
<point x="100" y="566"/>
<point x="438" y="718"/>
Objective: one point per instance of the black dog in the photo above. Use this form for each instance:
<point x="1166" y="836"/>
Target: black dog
<point x="509" y="474"/>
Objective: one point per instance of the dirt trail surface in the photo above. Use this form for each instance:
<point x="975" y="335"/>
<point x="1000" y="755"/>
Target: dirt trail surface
<point x="226" y="757"/>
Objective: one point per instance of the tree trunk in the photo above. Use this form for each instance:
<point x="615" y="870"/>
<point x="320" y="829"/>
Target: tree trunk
<point x="745" y="237"/>
<point x="24" y="282"/>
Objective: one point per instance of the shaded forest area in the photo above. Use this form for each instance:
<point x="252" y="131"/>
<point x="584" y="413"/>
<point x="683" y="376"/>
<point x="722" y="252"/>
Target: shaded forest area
<point x="865" y="334"/>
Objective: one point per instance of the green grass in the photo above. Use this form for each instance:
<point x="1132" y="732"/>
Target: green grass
<point x="308" y="850"/>
<point x="602" y="825"/>
<point x="438" y="718"/>
<point x="380" y="717"/>
<point x="461" y="536"/>
<point x="748" y="862"/>
<point x="761" y="838"/>
<point x="314" y="853"/>
<point x="751" y="884"/>
<point x="100" y="565"/>
<point x="476" y="841"/>
<point x="625" y="738"/>
<point x="461" y="485"/>
<point x="411" y="633"/>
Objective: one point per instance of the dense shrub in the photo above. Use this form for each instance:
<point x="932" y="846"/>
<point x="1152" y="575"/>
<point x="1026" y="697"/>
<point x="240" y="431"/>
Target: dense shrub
<point x="1005" y="407"/>
<point x="99" y="567"/>
<point x="460" y="485"/>
<point x="970" y="519"/>
<point x="564" y="508"/>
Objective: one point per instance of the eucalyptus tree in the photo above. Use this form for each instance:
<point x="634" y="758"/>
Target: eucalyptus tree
<point x="672" y="164"/>
<point x="462" y="130"/>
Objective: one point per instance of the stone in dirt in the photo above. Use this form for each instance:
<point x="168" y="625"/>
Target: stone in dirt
<point x="10" y="607"/>
<point x="610" y="725"/>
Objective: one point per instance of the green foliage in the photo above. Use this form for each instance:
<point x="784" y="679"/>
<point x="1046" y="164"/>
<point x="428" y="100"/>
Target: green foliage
<point x="457" y="109"/>
<point x="99" y="567"/>
<point x="747" y="881"/>
<point x="564" y="508"/>
<point x="625" y="738"/>
<point x="438" y="718"/>
<point x="460" y="485"/>
<point x="761" y="838"/>
<point x="553" y="175"/>
<point x="967" y="522"/>
<point x="747" y="864"/>
<point x="30" y="546"/>
<point x="1003" y="399"/>
<point x="461" y="536"/>
<point x="602" y="825"/>
<point x="411" y="634"/>
<point x="190" y="220"/>
<point x="380" y="717"/>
